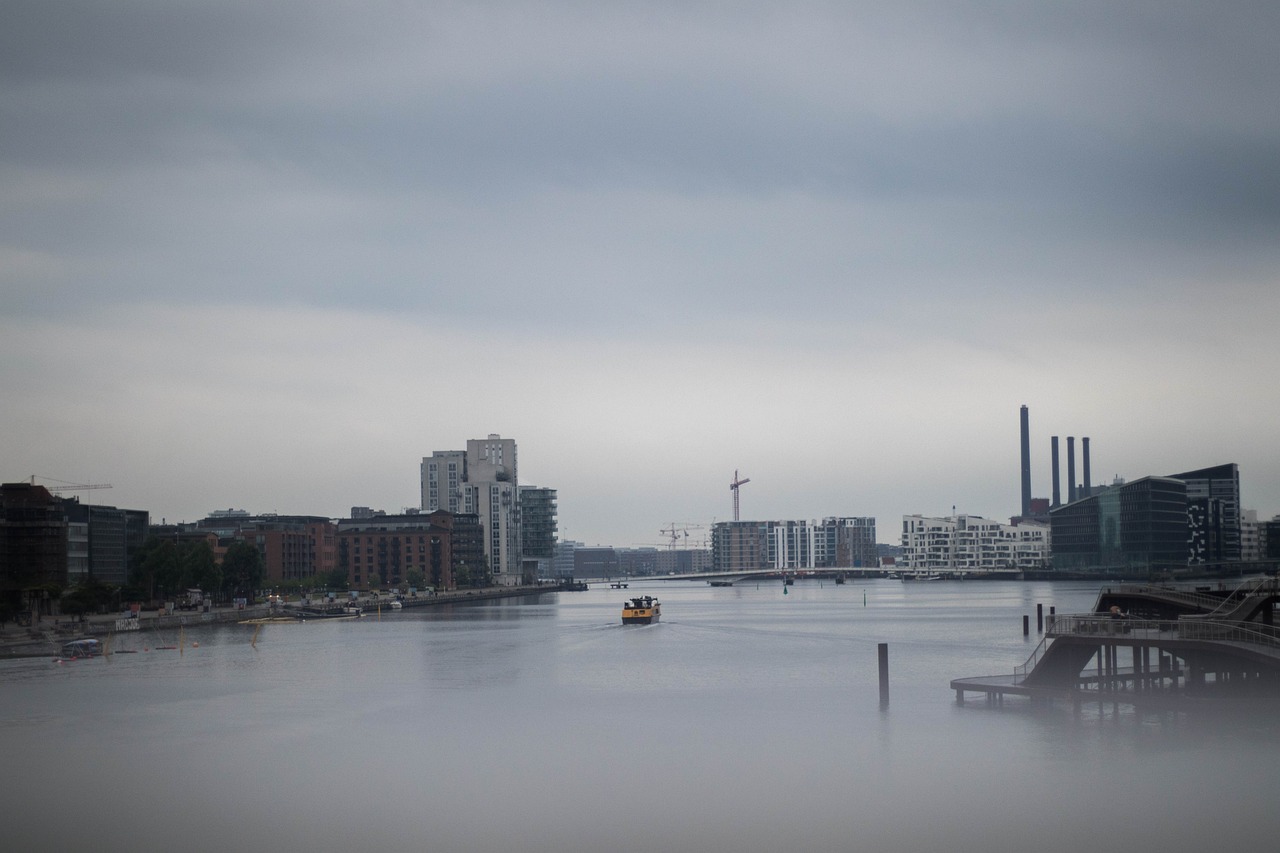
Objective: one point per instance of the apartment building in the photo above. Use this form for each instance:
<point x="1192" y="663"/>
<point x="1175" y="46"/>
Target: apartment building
<point x="834" y="542"/>
<point x="972" y="543"/>
<point x="481" y="480"/>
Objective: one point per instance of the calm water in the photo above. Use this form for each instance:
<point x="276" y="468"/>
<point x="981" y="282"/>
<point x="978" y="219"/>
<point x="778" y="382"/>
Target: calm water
<point x="747" y="720"/>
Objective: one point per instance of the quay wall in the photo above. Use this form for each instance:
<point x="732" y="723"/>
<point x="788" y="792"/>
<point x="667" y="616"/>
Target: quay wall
<point x="46" y="639"/>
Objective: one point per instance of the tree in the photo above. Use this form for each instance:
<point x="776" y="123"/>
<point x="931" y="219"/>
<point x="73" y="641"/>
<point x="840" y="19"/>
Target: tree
<point x="88" y="596"/>
<point x="336" y="579"/>
<point x="158" y="567"/>
<point x="242" y="570"/>
<point x="199" y="567"/>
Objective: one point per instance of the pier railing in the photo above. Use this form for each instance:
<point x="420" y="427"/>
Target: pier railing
<point x="1020" y="672"/>
<point x="1218" y="630"/>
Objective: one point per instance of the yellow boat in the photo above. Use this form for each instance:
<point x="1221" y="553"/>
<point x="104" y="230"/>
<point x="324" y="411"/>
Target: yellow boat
<point x="641" y="611"/>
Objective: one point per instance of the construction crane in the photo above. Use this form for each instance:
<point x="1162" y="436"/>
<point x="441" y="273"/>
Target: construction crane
<point x="69" y="487"/>
<point x="676" y="530"/>
<point x="734" y="488"/>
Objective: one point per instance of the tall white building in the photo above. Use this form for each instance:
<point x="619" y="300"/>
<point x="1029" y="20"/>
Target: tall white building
<point x="482" y="481"/>
<point x="972" y="543"/>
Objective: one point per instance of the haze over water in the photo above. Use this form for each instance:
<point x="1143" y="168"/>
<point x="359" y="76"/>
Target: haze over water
<point x="747" y="720"/>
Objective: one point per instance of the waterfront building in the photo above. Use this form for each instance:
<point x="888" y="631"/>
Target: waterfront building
<point x="739" y="545"/>
<point x="48" y="542"/>
<point x="380" y="552"/>
<point x="638" y="562"/>
<point x="102" y="541"/>
<point x="834" y="542"/>
<point x="1250" y="542"/>
<point x="482" y="480"/>
<point x="597" y="562"/>
<point x="33" y="546"/>
<point x="1136" y="527"/>
<point x="684" y="561"/>
<point x="537" y="530"/>
<point x="972" y="543"/>
<point x="293" y="547"/>
<point x="1269" y="538"/>
<point x="1215" y="527"/>
<point x="562" y="563"/>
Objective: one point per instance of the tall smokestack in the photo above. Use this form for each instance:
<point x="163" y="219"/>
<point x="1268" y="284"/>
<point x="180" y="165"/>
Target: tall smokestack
<point x="1053" y="453"/>
<point x="1084" y="453"/>
<point x="1026" y="464"/>
<point x="1071" y="468"/>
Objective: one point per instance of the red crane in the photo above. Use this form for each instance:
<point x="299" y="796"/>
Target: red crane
<point x="734" y="488"/>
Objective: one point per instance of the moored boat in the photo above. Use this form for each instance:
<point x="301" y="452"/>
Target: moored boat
<point x="79" y="649"/>
<point x="641" y="611"/>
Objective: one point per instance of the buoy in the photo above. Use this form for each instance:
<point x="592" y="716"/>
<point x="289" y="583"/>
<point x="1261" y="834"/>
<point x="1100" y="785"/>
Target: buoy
<point x="195" y="645"/>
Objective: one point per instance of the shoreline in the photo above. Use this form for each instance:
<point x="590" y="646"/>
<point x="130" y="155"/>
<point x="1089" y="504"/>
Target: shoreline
<point x="17" y="641"/>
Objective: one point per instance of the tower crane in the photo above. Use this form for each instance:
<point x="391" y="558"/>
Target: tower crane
<point x="734" y="488"/>
<point x="64" y="486"/>
<point x="676" y="530"/>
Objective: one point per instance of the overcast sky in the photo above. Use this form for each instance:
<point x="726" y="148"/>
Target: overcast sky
<point x="268" y="255"/>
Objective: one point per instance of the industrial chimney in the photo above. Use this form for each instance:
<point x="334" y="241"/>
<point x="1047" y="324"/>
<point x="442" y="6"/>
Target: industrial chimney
<point x="1053" y="453"/>
<point x="1026" y="464"/>
<point x="1084" y="453"/>
<point x="1071" y="469"/>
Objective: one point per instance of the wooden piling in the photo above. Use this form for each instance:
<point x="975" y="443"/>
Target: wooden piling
<point x="1039" y="618"/>
<point x="1026" y="625"/>
<point x="883" y="652"/>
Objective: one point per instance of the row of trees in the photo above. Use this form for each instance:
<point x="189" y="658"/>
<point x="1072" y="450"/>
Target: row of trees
<point x="165" y="569"/>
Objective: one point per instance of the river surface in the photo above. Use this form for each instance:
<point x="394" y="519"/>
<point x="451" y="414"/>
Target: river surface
<point x="747" y="720"/>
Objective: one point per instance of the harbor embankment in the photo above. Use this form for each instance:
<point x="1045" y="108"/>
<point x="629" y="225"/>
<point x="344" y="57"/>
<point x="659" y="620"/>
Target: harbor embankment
<point x="46" y="636"/>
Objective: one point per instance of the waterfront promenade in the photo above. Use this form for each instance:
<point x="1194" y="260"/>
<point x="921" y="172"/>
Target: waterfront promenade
<point x="45" y="638"/>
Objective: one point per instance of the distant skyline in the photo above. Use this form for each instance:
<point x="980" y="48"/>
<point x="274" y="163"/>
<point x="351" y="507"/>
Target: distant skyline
<point x="270" y="255"/>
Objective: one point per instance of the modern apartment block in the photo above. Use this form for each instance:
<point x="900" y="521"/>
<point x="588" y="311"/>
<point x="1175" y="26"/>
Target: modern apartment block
<point x="831" y="543"/>
<point x="537" y="530"/>
<point x="482" y="480"/>
<point x="970" y="543"/>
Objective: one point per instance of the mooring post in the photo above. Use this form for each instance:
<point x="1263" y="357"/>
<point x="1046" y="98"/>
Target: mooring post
<point x="1039" y="618"/>
<point x="1026" y="625"/>
<point x="883" y="651"/>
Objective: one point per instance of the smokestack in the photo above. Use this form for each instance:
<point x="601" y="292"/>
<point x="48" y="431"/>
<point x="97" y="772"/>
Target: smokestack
<point x="1026" y="464"/>
<point x="1053" y="453"/>
<point x="1084" y="453"/>
<point x="1071" y="468"/>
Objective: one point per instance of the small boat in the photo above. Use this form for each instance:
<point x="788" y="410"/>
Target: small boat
<point x="78" y="649"/>
<point x="641" y="611"/>
<point x="397" y="605"/>
<point x="618" y="585"/>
